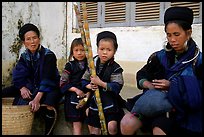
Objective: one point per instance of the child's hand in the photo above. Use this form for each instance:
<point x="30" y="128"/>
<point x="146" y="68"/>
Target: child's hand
<point x="94" y="87"/>
<point x="96" y="80"/>
<point x="80" y="94"/>
<point x="88" y="94"/>
<point x="82" y="103"/>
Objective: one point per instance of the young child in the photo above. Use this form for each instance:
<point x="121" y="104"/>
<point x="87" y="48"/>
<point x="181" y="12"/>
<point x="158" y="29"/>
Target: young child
<point x="109" y="81"/>
<point x="70" y="84"/>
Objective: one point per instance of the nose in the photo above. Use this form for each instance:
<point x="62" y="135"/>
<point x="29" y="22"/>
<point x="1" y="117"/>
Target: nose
<point x="172" y="39"/>
<point x="104" y="51"/>
<point x="32" y="40"/>
<point x="79" y="52"/>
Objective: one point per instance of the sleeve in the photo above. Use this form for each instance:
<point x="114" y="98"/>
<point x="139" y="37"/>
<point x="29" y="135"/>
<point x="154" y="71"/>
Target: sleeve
<point x="65" y="83"/>
<point x="49" y="74"/>
<point x="86" y="78"/>
<point x="116" y="81"/>
<point x="20" y="74"/>
<point x="199" y="67"/>
<point x="151" y="70"/>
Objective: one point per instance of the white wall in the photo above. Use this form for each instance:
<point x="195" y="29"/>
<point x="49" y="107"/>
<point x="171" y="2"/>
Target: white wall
<point x="135" y="43"/>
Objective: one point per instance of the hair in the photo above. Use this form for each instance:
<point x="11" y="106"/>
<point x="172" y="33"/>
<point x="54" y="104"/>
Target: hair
<point x="75" y="42"/>
<point x="110" y="40"/>
<point x="183" y="24"/>
<point x="107" y="34"/>
<point x="28" y="27"/>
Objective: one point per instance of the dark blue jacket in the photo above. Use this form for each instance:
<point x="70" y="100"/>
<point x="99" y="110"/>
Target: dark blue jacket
<point x="109" y="96"/>
<point x="38" y="72"/>
<point x="185" y="74"/>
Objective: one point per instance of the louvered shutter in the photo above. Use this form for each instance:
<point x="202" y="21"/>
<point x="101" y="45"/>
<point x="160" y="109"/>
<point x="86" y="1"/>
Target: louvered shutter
<point x="121" y="14"/>
<point x="195" y="6"/>
<point x="92" y="12"/>
<point x="115" y="12"/>
<point x="147" y="11"/>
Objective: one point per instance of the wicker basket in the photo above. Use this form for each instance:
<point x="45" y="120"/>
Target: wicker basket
<point x="16" y="119"/>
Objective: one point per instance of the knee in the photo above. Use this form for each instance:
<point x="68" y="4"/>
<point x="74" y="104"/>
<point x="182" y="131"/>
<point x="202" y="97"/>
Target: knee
<point x="126" y="121"/>
<point x="158" y="131"/>
<point x="112" y="128"/>
<point x="129" y="124"/>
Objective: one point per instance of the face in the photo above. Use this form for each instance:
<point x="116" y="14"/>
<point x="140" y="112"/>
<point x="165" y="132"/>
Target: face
<point x="177" y="36"/>
<point x="105" y="50"/>
<point x="79" y="52"/>
<point x="32" y="41"/>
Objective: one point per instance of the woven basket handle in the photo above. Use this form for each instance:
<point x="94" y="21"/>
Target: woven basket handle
<point x="52" y="108"/>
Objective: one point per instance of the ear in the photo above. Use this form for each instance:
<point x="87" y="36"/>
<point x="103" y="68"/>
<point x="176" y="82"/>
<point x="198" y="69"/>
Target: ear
<point x="189" y="32"/>
<point x="24" y="43"/>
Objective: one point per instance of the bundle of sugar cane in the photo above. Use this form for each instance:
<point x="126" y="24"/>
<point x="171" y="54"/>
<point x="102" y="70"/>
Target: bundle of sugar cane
<point x="84" y="29"/>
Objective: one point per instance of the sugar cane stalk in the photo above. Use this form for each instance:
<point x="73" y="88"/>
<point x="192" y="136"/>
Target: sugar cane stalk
<point x="87" y="43"/>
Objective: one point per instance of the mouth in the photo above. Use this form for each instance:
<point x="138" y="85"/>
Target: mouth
<point x="33" y="46"/>
<point x="174" y="45"/>
<point x="104" y="57"/>
<point x="80" y="58"/>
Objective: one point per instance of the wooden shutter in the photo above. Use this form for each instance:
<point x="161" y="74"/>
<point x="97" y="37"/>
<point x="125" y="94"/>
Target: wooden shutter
<point x="195" y="6"/>
<point x="147" y="11"/>
<point x="115" y="12"/>
<point x="92" y="11"/>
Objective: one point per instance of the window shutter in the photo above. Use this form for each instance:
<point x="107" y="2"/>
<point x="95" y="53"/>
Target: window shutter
<point x="195" y="6"/>
<point x="92" y="11"/>
<point x="147" y="11"/>
<point x="115" y="12"/>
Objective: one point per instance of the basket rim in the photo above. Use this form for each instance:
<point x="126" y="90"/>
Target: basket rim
<point x="6" y="104"/>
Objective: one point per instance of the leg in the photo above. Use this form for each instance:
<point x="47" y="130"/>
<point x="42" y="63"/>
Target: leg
<point x="112" y="127"/>
<point x="158" y="131"/>
<point x="77" y="128"/>
<point x="129" y="124"/>
<point x="49" y="114"/>
<point x="50" y="102"/>
<point x="94" y="130"/>
<point x="162" y="125"/>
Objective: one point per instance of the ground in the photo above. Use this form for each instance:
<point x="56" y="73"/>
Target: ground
<point x="63" y="128"/>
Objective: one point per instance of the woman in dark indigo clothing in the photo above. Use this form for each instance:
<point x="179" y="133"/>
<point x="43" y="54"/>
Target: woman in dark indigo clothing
<point x="35" y="77"/>
<point x="177" y="70"/>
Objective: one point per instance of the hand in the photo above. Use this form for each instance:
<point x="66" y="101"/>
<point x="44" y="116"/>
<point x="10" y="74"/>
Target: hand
<point x="94" y="87"/>
<point x="161" y="84"/>
<point x="82" y="103"/>
<point x="80" y="93"/>
<point x="96" y="80"/>
<point x="88" y="94"/>
<point x="35" y="105"/>
<point x="25" y="93"/>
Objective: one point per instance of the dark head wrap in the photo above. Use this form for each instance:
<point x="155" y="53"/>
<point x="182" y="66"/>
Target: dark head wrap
<point x="27" y="27"/>
<point x="179" y="13"/>
<point x="107" y="34"/>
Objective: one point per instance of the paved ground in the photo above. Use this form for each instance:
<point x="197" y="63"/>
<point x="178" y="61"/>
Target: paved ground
<point x="62" y="128"/>
<point x="129" y="91"/>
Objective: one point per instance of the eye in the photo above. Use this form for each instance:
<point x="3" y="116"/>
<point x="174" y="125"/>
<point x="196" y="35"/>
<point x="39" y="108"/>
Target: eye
<point x="176" y="34"/>
<point x="27" y="39"/>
